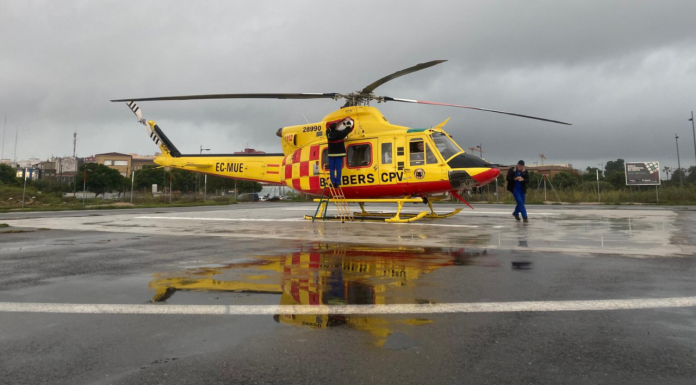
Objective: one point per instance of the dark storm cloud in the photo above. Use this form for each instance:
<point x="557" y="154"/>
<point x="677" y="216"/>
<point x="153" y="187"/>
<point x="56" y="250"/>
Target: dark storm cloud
<point x="622" y="72"/>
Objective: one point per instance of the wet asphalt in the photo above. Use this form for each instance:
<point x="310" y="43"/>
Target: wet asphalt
<point x="158" y="269"/>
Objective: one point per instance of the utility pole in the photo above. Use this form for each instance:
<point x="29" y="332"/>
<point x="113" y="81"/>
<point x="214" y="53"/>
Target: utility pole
<point x="24" y="192"/>
<point x="84" y="186"/>
<point x="496" y="189"/>
<point x="205" y="189"/>
<point x="693" y="130"/>
<point x="74" y="145"/>
<point x="60" y="174"/>
<point x="599" y="199"/>
<point x="681" y="174"/>
<point x="198" y="175"/>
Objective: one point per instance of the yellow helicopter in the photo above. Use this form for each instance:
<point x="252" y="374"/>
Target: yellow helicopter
<point x="384" y="163"/>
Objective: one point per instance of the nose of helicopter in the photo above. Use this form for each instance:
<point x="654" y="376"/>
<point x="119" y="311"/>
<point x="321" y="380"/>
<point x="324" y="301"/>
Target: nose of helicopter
<point x="485" y="175"/>
<point x="469" y="171"/>
<point x="464" y="178"/>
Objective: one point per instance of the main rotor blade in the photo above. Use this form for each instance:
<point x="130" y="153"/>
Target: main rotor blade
<point x="369" y="89"/>
<point x="386" y="98"/>
<point x="235" y="96"/>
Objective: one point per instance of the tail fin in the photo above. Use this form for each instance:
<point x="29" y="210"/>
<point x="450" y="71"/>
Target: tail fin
<point x="156" y="134"/>
<point x="161" y="140"/>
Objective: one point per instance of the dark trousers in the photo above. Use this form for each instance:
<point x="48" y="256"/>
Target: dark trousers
<point x="335" y="169"/>
<point x="519" y="198"/>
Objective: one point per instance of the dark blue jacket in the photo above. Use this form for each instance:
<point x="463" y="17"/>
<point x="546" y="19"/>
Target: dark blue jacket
<point x="511" y="180"/>
<point x="336" y="141"/>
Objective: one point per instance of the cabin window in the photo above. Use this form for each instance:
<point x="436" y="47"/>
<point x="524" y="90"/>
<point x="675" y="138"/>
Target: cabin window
<point x="417" y="152"/>
<point x="325" y="159"/>
<point x="359" y="155"/>
<point x="387" y="154"/>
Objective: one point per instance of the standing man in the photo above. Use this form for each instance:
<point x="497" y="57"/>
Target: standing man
<point x="517" y="178"/>
<point x="336" y="134"/>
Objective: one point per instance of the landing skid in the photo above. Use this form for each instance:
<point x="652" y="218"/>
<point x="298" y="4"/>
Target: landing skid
<point x="397" y="217"/>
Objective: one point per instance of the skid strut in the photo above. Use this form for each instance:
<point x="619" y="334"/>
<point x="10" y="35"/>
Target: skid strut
<point x="398" y="217"/>
<point x="335" y="195"/>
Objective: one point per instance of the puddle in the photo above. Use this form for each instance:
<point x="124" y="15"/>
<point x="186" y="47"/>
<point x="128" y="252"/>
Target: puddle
<point x="324" y="274"/>
<point x="399" y="341"/>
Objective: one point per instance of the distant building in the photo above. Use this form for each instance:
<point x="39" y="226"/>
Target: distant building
<point x="124" y="163"/>
<point x="28" y="163"/>
<point x="548" y="169"/>
<point x="117" y="161"/>
<point x="250" y="151"/>
<point x="66" y="164"/>
<point x="31" y="173"/>
<point x="48" y="170"/>
<point x="138" y="161"/>
<point x="89" y="159"/>
<point x="62" y="170"/>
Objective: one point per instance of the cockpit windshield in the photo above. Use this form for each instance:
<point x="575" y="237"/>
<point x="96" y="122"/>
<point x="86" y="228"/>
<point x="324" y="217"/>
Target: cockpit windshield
<point x="445" y="145"/>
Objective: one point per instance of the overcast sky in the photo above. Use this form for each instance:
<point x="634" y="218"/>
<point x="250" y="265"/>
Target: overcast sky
<point x="623" y="72"/>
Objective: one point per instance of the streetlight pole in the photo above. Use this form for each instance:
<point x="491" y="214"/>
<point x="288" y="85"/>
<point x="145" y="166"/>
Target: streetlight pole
<point x="198" y="176"/>
<point x="599" y="198"/>
<point x="681" y="176"/>
<point x="132" y="182"/>
<point x="24" y="192"/>
<point x="693" y="130"/>
<point x="84" y="185"/>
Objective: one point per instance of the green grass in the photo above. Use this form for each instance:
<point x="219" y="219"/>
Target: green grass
<point x="3" y="225"/>
<point x="110" y="206"/>
<point x="11" y="198"/>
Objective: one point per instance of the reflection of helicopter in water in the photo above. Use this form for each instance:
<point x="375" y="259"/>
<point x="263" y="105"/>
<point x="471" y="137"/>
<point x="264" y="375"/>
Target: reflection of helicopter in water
<point x="327" y="275"/>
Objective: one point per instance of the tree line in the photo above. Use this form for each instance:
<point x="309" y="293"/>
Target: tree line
<point x="101" y="179"/>
<point x="612" y="177"/>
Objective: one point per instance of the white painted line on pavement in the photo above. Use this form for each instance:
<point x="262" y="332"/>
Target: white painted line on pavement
<point x="484" y="307"/>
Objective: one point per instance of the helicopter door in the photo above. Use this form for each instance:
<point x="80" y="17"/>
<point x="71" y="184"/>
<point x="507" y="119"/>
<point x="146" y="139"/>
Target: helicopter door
<point x="421" y="160"/>
<point x="392" y="161"/>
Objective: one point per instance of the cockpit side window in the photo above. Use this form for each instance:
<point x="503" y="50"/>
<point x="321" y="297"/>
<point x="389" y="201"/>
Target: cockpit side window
<point x="445" y="145"/>
<point x="430" y="157"/>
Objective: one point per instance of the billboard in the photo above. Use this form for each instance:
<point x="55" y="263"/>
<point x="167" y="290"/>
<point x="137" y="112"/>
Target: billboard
<point x="642" y="173"/>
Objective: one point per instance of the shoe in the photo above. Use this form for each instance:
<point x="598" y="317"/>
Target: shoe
<point x="517" y="217"/>
<point x="525" y="220"/>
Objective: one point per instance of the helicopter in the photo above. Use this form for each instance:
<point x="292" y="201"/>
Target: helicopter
<point x="384" y="163"/>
